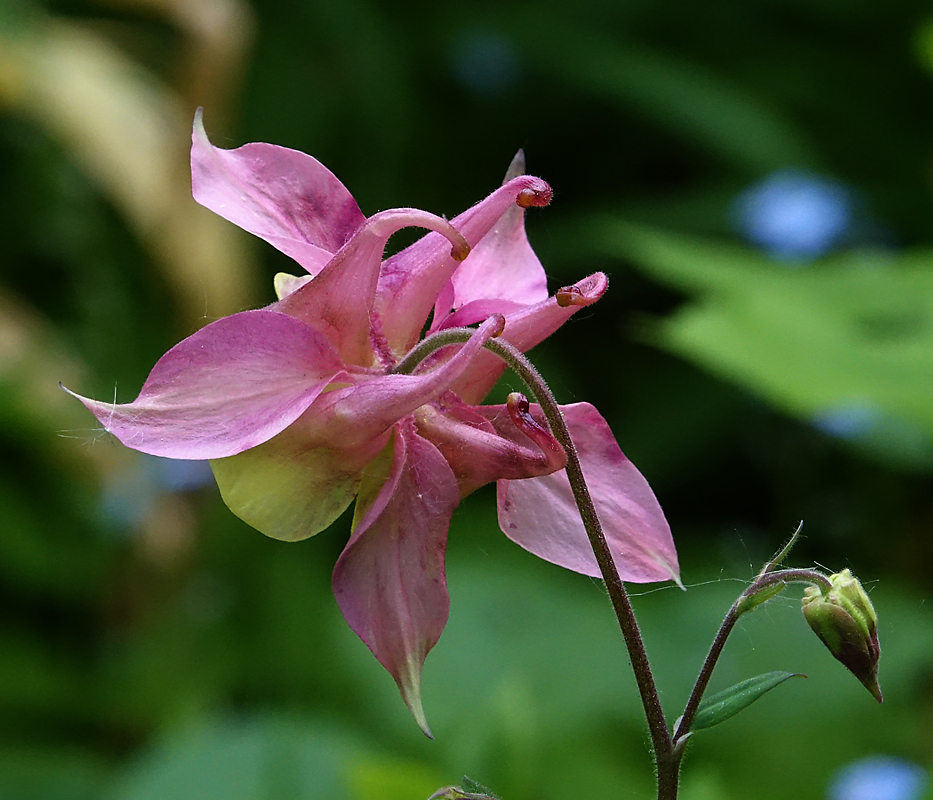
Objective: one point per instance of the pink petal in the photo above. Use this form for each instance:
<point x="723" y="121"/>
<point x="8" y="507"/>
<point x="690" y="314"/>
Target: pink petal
<point x="479" y="454"/>
<point x="285" y="197"/>
<point x="525" y="328"/>
<point x="232" y="385"/>
<point x="502" y="267"/>
<point x="540" y="513"/>
<point x="412" y="279"/>
<point x="339" y="300"/>
<point x="352" y="416"/>
<point x="389" y="581"/>
<point x="291" y="488"/>
<point x="477" y="310"/>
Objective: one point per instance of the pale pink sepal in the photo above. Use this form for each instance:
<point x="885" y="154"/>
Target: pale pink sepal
<point x="232" y="385"/>
<point x="478" y="453"/>
<point x="389" y="581"/>
<point x="290" y="487"/>
<point x="540" y="513"/>
<point x="525" y="328"/>
<point x="412" y="280"/>
<point x="502" y="267"/>
<point x="285" y="197"/>
<point x="339" y="300"/>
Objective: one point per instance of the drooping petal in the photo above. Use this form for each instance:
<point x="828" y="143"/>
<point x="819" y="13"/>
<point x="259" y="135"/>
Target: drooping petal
<point x="412" y="279"/>
<point x="232" y="385"/>
<point x="502" y="267"/>
<point x="285" y="197"/>
<point x="339" y="300"/>
<point x="291" y="488"/>
<point x="351" y="416"/>
<point x="527" y="327"/>
<point x="389" y="581"/>
<point x="478" y="454"/>
<point x="540" y="513"/>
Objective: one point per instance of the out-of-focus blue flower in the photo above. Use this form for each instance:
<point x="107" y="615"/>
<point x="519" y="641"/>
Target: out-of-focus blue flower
<point x="130" y="495"/>
<point x="889" y="437"/>
<point x="794" y="215"/>
<point x="180" y="475"/>
<point x="485" y="62"/>
<point x="848" y="420"/>
<point x="878" y="778"/>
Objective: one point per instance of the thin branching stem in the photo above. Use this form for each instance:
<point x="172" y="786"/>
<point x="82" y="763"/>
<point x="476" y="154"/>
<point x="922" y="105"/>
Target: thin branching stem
<point x="765" y="580"/>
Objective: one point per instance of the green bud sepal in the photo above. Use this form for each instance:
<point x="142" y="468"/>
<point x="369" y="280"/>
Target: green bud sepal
<point x="751" y="601"/>
<point x="845" y="620"/>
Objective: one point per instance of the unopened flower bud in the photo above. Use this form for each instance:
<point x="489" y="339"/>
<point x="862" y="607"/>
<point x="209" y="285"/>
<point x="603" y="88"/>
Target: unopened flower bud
<point x="845" y="620"/>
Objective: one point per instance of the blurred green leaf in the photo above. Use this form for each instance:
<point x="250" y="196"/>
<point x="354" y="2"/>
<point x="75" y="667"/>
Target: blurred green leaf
<point x="702" y="783"/>
<point x="850" y="336"/>
<point x="254" y="758"/>
<point x="383" y="778"/>
<point x="731" y="701"/>
<point x="695" y="102"/>
<point x="53" y="774"/>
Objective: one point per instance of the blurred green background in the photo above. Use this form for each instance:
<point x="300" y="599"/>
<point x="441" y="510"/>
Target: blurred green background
<point x="756" y="180"/>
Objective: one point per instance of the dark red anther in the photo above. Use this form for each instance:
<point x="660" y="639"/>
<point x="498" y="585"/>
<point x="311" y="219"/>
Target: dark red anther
<point x="460" y="250"/>
<point x="498" y="327"/>
<point x="520" y="413"/>
<point x="569" y="296"/>
<point x="583" y="293"/>
<point x="518" y="405"/>
<point x="538" y="194"/>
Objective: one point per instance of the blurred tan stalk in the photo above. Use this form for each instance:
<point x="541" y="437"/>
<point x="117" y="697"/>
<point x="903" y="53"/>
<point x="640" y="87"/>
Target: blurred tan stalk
<point x="129" y="131"/>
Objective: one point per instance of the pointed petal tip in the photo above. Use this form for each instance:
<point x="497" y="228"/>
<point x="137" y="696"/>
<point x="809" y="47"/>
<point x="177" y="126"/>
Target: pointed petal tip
<point x="423" y="724"/>
<point x="198" y="131"/>
<point x="87" y="401"/>
<point x="409" y="685"/>
<point x="516" y="167"/>
<point x="667" y="562"/>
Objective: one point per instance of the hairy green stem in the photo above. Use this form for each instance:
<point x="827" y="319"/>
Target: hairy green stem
<point x="660" y="735"/>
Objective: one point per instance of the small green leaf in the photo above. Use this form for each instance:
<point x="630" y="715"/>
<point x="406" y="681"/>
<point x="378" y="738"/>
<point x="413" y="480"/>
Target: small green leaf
<point x="476" y="788"/>
<point x="730" y="702"/>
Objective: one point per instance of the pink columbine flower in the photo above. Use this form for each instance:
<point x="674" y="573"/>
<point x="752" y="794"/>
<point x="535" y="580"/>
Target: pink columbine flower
<point x="298" y="409"/>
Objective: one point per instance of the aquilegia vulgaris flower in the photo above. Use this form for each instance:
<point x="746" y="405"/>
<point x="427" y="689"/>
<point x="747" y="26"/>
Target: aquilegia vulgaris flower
<point x="299" y="409"/>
